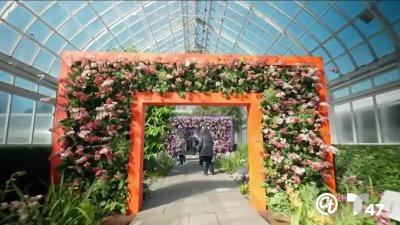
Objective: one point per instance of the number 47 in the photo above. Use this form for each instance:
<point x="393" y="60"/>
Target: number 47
<point x="371" y="209"/>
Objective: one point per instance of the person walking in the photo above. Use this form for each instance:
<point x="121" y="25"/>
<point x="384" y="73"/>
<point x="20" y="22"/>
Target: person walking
<point x="206" y="151"/>
<point x="181" y="147"/>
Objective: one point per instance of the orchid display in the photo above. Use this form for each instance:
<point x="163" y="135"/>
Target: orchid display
<point x="98" y="96"/>
<point x="221" y="129"/>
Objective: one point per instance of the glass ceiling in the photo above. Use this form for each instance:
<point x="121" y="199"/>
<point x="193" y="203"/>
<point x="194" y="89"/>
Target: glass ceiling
<point x="347" y="34"/>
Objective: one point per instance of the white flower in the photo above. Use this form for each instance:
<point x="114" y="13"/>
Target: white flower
<point x="324" y="104"/>
<point x="280" y="94"/>
<point x="83" y="133"/>
<point x="217" y="83"/>
<point x="107" y="82"/>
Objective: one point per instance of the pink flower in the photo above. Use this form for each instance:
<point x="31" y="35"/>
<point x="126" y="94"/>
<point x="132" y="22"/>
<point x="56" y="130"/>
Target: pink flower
<point x="223" y="76"/>
<point x="301" y="137"/>
<point x="81" y="96"/>
<point x="294" y="156"/>
<point x="277" y="158"/>
<point x="300" y="171"/>
<point x="178" y="80"/>
<point x="98" y="79"/>
<point x="86" y="165"/>
<point x="280" y="93"/>
<point x="310" y="121"/>
<point x="79" y="150"/>
<point x="188" y="83"/>
<point x="120" y="97"/>
<point x="296" y="179"/>
<point x="82" y="134"/>
<point x="97" y="156"/>
<point x="81" y="160"/>
<point x="324" y="104"/>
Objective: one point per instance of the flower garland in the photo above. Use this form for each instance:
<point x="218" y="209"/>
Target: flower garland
<point x="98" y="94"/>
<point x="220" y="127"/>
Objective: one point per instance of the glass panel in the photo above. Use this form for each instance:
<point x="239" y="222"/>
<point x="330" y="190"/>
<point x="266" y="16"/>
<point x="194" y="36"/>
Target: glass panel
<point x="71" y="6"/>
<point x="37" y="6"/>
<point x="95" y="27"/>
<point x="390" y="9"/>
<point x="321" y="52"/>
<point x="362" y="55"/>
<point x="6" y="77"/>
<point x="25" y="51"/>
<point x="20" y="17"/>
<point x="382" y="44"/>
<point x="47" y="91"/>
<point x="334" y="20"/>
<point x="343" y="124"/>
<point x="308" y="42"/>
<point x="350" y="37"/>
<point x="39" y="31"/>
<point x="81" y="39"/>
<point x="320" y="32"/>
<point x="334" y="47"/>
<point x="305" y="19"/>
<point x="365" y="121"/>
<point x="318" y="7"/>
<point x="41" y="134"/>
<point x="69" y="28"/>
<point x="20" y="126"/>
<point x="341" y="93"/>
<point x="288" y="7"/>
<point x="56" y="43"/>
<point x="387" y="77"/>
<point x="389" y="111"/>
<point x="43" y="122"/>
<point x="26" y="84"/>
<point x="351" y="8"/>
<point x="55" y="15"/>
<point x="55" y="70"/>
<point x="295" y="30"/>
<point x="43" y="61"/>
<point x="368" y="28"/>
<point x="345" y="64"/>
<point x="85" y="15"/>
<point x="361" y="86"/>
<point x="7" y="41"/>
<point x="4" y="108"/>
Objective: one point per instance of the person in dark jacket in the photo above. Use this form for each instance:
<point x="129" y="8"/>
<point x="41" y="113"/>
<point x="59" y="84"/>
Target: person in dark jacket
<point x="206" y="151"/>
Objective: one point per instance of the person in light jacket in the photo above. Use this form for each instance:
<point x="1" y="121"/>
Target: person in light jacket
<point x="206" y="151"/>
<point x="181" y="147"/>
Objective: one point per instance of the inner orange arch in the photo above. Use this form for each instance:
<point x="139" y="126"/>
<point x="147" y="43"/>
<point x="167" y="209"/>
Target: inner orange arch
<point x="255" y="139"/>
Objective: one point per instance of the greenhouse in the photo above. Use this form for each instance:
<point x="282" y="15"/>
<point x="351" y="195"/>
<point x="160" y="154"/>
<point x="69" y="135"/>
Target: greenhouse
<point x="200" y="112"/>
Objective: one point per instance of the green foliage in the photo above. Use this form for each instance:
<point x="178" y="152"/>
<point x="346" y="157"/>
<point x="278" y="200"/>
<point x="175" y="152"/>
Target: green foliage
<point x="157" y="126"/>
<point x="60" y="206"/>
<point x="279" y="202"/>
<point x="380" y="163"/>
<point x="244" y="188"/>
<point x="237" y="113"/>
<point x="162" y="163"/>
<point x="230" y="162"/>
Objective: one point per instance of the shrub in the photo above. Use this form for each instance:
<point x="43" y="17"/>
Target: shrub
<point x="231" y="161"/>
<point x="380" y="163"/>
<point x="60" y="206"/>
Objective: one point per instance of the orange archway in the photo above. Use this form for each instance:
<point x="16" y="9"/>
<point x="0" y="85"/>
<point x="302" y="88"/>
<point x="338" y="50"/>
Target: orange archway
<point x="250" y="100"/>
<point x="255" y="138"/>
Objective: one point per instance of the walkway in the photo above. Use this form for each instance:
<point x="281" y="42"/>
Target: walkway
<point x="187" y="197"/>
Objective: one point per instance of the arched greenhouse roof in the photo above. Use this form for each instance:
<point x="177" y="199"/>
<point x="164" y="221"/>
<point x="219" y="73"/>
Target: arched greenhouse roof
<point x="347" y="34"/>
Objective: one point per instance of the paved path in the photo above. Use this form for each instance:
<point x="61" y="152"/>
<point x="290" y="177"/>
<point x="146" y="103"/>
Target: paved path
<point x="187" y="197"/>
